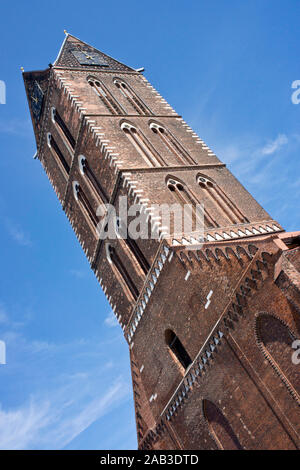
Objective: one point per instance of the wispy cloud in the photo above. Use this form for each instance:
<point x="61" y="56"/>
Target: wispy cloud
<point x="274" y="145"/>
<point x="42" y="424"/>
<point x="261" y="165"/>
<point x="76" y="423"/>
<point x="72" y="385"/>
<point x="3" y="315"/>
<point x="79" y="274"/>
<point x="13" y="319"/>
<point x="66" y="395"/>
<point x="20" y="427"/>
<point x="17" y="233"/>
<point x="252" y="160"/>
<point x="22" y="128"/>
<point x="111" y="320"/>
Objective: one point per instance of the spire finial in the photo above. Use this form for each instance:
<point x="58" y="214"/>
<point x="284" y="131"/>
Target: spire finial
<point x="22" y="69"/>
<point x="65" y="31"/>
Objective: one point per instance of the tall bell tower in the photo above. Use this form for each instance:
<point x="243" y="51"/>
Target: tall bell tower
<point x="211" y="319"/>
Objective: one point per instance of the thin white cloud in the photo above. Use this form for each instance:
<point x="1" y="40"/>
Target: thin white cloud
<point x="45" y="424"/>
<point x="20" y="427"/>
<point x="111" y="320"/>
<point x="79" y="274"/>
<point x="73" y="385"/>
<point x="8" y="322"/>
<point x="262" y="168"/>
<point x="274" y="145"/>
<point x="70" y="428"/>
<point x="3" y="315"/>
<point x="250" y="160"/>
<point x="18" y="234"/>
<point x="16" y="127"/>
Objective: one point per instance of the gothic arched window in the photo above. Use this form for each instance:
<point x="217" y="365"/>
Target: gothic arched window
<point x="63" y="129"/>
<point x="134" y="249"/>
<point x="105" y="96"/>
<point x="177" y="349"/>
<point x="172" y="144"/>
<point x="221" y="201"/>
<point x="87" y="208"/>
<point x="58" y="155"/>
<point x="275" y="340"/>
<point x="220" y="428"/>
<point x="132" y="97"/>
<point x="91" y="179"/>
<point x="186" y="196"/>
<point x="142" y="145"/>
<point x="121" y="273"/>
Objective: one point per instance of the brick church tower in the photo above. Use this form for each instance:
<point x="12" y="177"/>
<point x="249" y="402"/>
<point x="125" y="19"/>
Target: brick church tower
<point x="211" y="321"/>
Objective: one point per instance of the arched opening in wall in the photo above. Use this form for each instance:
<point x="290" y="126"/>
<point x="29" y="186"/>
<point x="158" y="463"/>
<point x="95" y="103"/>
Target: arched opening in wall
<point x="199" y="213"/>
<point x="133" y="248"/>
<point x="175" y="147"/>
<point x="91" y="179"/>
<point x="87" y="209"/>
<point x="134" y="100"/>
<point x="220" y="428"/>
<point x="105" y="96"/>
<point x="121" y="273"/>
<point x="221" y="201"/>
<point x="142" y="145"/>
<point x="63" y="129"/>
<point x="275" y="340"/>
<point x="58" y="155"/>
<point x="177" y="349"/>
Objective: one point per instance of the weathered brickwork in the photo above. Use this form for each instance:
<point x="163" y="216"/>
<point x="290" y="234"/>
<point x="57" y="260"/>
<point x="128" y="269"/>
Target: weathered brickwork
<point x="210" y="321"/>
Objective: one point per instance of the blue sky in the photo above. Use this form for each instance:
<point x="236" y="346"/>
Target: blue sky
<point x="227" y="67"/>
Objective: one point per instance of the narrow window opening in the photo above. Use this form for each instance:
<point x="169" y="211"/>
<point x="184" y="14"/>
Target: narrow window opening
<point x="58" y="155"/>
<point x="220" y="428"/>
<point x="106" y="97"/>
<point x="186" y="196"/>
<point x="177" y="348"/>
<point x="135" y="250"/>
<point x="88" y="209"/>
<point x="92" y="181"/>
<point x="132" y="97"/>
<point x="122" y="272"/>
<point x="223" y="203"/>
<point x="145" y="149"/>
<point x="292" y="242"/>
<point x="66" y="134"/>
<point x="172" y="144"/>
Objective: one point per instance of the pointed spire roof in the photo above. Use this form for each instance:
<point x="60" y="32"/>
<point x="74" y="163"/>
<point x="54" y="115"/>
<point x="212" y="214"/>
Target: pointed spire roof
<point x="76" y="53"/>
